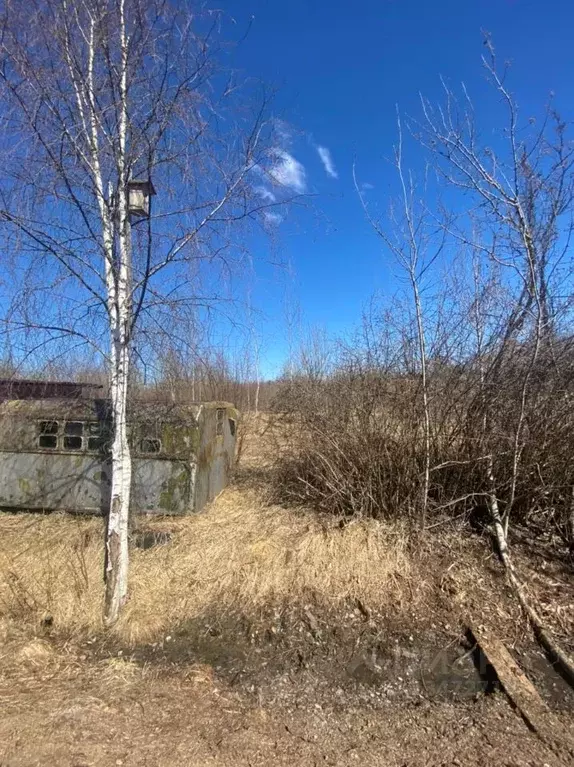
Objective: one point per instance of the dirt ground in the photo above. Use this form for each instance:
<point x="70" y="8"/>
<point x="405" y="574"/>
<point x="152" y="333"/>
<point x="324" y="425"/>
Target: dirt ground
<point x="61" y="706"/>
<point x="311" y="681"/>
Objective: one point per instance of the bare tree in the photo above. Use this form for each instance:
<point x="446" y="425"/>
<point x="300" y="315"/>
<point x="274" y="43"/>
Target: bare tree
<point x="95" y="94"/>
<point x="523" y="188"/>
<point x="411" y="239"/>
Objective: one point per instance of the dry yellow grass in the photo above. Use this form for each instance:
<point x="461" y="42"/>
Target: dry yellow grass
<point x="51" y="568"/>
<point x="241" y="554"/>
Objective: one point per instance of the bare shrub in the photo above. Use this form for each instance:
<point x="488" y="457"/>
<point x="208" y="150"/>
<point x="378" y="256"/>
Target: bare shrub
<point x="352" y="442"/>
<point x="351" y="437"/>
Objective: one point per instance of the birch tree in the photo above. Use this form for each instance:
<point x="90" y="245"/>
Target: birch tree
<point x="94" y="94"/>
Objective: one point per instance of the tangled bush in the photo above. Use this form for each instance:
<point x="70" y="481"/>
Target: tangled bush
<point x="352" y="440"/>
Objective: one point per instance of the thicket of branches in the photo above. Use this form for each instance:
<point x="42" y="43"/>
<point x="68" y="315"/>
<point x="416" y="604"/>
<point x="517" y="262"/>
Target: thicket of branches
<point x="456" y="399"/>
<point x="355" y="443"/>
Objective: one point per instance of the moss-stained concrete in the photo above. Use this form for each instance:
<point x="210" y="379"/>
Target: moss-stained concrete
<point x="190" y="467"/>
<point x="175" y="490"/>
<point x="180" y="439"/>
<point x="24" y="484"/>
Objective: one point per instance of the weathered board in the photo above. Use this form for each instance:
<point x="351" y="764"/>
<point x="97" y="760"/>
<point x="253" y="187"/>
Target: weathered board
<point x="521" y="691"/>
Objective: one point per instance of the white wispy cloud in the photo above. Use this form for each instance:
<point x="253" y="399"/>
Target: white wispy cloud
<point x="283" y="131"/>
<point x="273" y="219"/>
<point x="327" y="161"/>
<point x="365" y="186"/>
<point x="281" y="173"/>
<point x="288" y="172"/>
<point x="266" y="194"/>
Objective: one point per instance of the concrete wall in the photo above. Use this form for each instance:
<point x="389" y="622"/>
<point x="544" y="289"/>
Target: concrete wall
<point x="191" y="468"/>
<point x="39" y="481"/>
<point x="218" y="426"/>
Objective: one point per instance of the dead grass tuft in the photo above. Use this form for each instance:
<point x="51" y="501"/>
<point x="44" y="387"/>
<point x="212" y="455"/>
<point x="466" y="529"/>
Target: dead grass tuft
<point x="245" y="555"/>
<point x="124" y="671"/>
<point x="37" y="652"/>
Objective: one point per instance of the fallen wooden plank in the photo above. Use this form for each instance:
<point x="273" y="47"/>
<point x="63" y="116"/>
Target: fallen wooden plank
<point x="520" y="690"/>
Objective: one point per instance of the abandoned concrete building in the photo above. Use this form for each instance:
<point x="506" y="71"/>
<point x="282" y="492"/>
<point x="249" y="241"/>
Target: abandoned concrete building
<point x="54" y="450"/>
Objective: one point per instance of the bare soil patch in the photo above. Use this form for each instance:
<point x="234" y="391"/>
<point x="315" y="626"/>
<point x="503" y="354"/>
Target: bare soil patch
<point x="64" y="709"/>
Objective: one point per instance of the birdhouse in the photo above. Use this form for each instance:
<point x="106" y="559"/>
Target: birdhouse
<point x="139" y="198"/>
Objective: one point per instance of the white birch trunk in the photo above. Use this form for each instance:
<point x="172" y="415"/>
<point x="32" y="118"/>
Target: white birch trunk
<point x="118" y="289"/>
<point x="117" y="553"/>
<point x="533" y="615"/>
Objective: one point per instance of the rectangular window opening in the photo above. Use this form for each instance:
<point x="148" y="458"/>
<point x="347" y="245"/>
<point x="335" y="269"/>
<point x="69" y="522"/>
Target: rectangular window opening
<point x="48" y="435"/>
<point x="48" y="441"/>
<point x="150" y="445"/>
<point x="74" y="428"/>
<point x="48" y="427"/>
<point x="220" y="418"/>
<point x="72" y="443"/>
<point x="96" y="443"/>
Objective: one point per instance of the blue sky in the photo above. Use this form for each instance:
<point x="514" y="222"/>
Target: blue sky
<point x="340" y="68"/>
